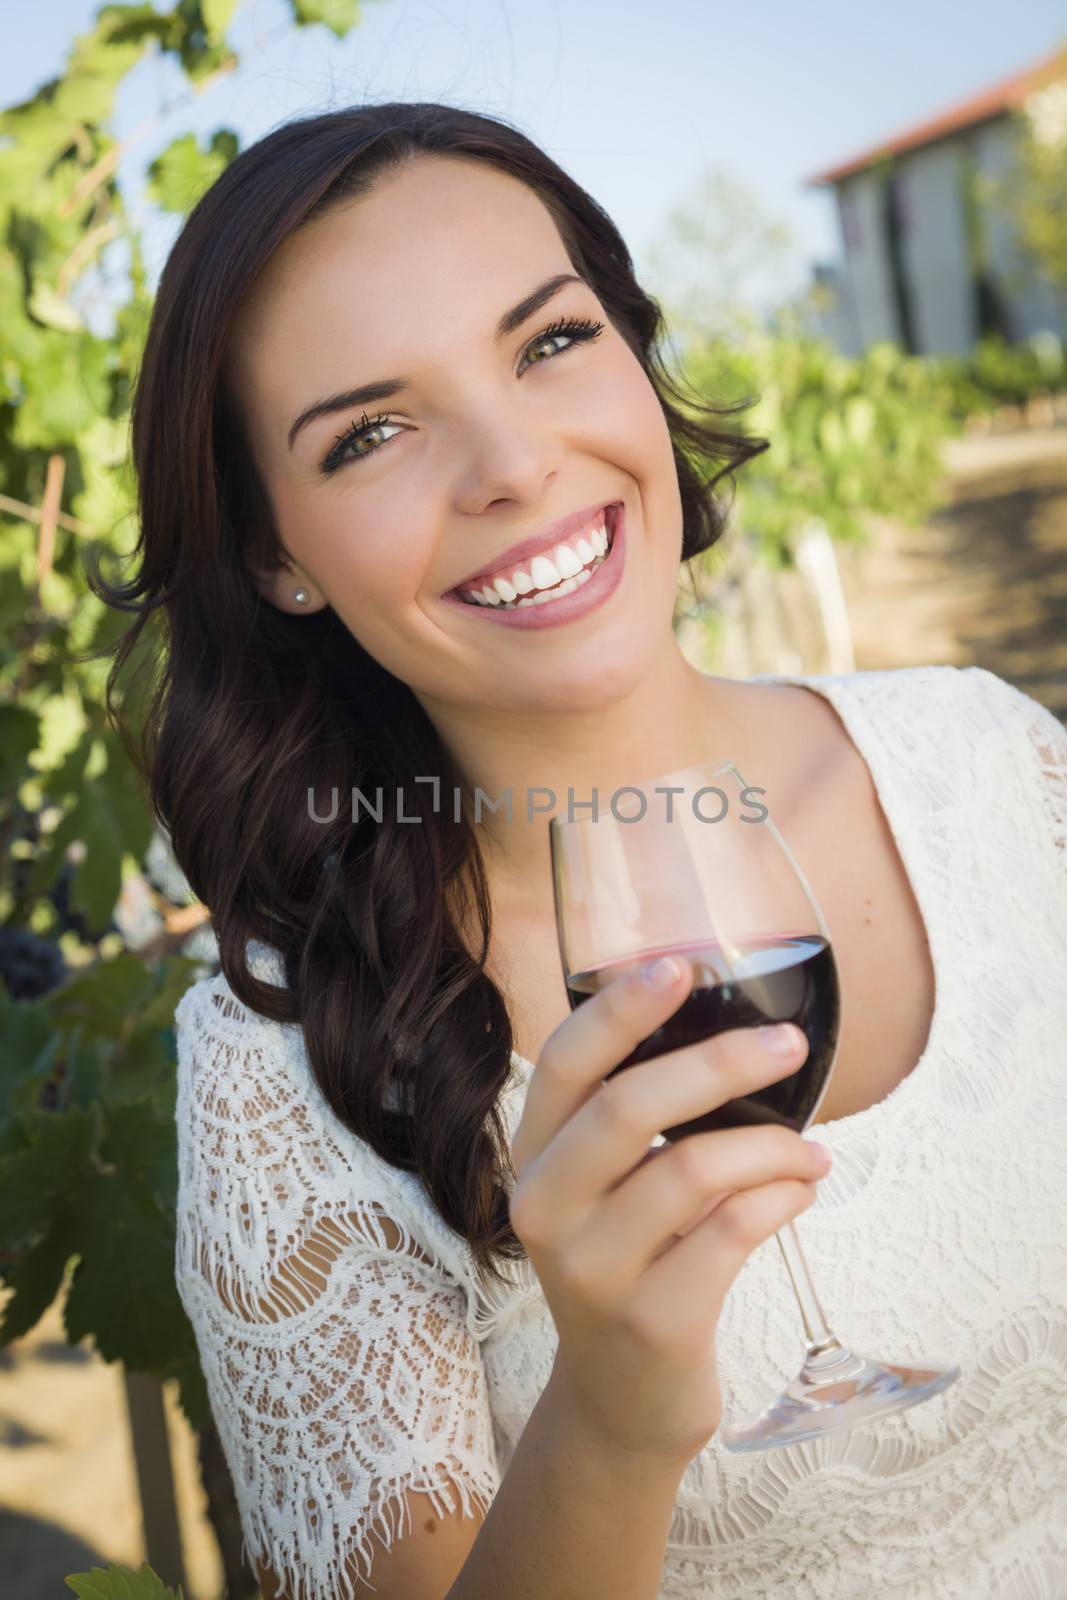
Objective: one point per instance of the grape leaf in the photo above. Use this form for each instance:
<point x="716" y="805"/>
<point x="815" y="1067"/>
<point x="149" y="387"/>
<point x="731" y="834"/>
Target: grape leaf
<point x="337" y="15"/>
<point x="35" y="1278"/>
<point x="67" y="386"/>
<point x="35" y="1179"/>
<point x="123" y="1291"/>
<point x="25" y="1035"/>
<point x="144" y="1149"/>
<point x="178" y="177"/>
<point x="192" y="1390"/>
<point x="217" y="15"/>
<point x="111" y="818"/>
<point x="19" y="733"/>
<point x="120" y="1583"/>
<point x="104" y="996"/>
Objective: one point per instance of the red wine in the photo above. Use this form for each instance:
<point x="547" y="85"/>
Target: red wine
<point x="786" y="979"/>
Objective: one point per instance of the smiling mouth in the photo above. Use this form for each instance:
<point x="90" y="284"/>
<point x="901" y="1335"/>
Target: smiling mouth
<point x="529" y="591"/>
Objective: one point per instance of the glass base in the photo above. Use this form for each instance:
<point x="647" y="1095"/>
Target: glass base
<point x="835" y="1390"/>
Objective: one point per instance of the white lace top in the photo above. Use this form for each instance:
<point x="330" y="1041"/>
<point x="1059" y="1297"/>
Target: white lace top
<point x="368" y="1361"/>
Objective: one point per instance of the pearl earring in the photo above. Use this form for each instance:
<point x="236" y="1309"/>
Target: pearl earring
<point x="301" y="595"/>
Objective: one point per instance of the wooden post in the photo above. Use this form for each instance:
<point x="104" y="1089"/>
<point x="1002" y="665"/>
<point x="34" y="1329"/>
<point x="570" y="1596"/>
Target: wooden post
<point x="155" y="1477"/>
<point x="53" y="498"/>
<point x="817" y="559"/>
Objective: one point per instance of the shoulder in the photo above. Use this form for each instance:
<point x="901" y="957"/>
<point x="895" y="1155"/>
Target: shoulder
<point x="214" y="992"/>
<point x="949" y="734"/>
<point x="937" y="704"/>
<point x="225" y="1048"/>
<point x="938" y="718"/>
<point x="246" y="1086"/>
<point x="987" y="698"/>
<point x="974" y="745"/>
<point x="254" y="1128"/>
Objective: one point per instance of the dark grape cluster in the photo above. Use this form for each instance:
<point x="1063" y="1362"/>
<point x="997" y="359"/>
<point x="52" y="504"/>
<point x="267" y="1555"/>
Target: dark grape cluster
<point x="29" y="964"/>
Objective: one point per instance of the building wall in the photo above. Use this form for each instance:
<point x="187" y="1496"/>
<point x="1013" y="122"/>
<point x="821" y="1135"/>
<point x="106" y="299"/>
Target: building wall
<point x="1033" y="304"/>
<point x="934" y="247"/>
<point x="830" y="313"/>
<point x="936" y="265"/>
<point x="873" y="314"/>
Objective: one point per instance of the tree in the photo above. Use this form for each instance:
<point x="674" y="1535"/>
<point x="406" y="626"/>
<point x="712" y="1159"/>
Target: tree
<point x="722" y="261"/>
<point x="1032" y="192"/>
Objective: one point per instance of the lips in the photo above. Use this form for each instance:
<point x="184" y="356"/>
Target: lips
<point x="540" y="544"/>
<point x="558" y="610"/>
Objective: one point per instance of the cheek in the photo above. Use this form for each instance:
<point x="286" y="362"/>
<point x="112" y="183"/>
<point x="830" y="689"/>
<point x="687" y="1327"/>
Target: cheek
<point x="629" y="409"/>
<point x="373" y="562"/>
<point x="363" y="557"/>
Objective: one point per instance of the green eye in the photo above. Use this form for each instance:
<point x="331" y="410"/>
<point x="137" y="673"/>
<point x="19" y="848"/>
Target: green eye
<point x="577" y="330"/>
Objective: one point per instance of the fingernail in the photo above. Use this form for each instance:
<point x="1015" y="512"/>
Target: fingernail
<point x="821" y="1154"/>
<point x="779" y="1040"/>
<point x="659" y="975"/>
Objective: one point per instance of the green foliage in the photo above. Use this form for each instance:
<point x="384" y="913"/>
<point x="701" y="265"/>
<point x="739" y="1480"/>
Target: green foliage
<point x="996" y="373"/>
<point x="1033" y="191"/>
<point x="88" y="1167"/>
<point x="848" y="437"/>
<point x="179" y="176"/>
<point x="338" y="15"/>
<point x="88" y="1170"/>
<point x="119" y="1583"/>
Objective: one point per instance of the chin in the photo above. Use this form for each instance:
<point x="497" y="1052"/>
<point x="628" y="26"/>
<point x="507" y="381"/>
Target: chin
<point x="613" y="671"/>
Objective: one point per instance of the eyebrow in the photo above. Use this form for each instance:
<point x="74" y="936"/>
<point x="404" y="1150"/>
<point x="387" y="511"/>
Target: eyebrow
<point x="385" y="388"/>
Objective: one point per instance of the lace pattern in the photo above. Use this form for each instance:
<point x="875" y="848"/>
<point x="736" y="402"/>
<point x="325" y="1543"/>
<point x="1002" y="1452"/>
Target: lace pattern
<point x="350" y="1355"/>
<point x="334" y="1339"/>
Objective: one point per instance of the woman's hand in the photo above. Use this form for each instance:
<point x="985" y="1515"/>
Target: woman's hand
<point x="635" y="1249"/>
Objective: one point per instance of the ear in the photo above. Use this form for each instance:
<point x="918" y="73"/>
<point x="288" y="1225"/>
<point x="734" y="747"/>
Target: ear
<point x="281" y="585"/>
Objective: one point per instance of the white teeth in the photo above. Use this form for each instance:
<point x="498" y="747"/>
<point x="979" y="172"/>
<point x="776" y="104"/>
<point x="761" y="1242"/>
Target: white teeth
<point x="566" y="561"/>
<point x="566" y="570"/>
<point x="543" y="572"/>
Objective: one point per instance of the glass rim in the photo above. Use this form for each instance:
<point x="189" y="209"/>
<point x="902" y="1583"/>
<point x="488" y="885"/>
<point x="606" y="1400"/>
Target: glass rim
<point x="705" y="767"/>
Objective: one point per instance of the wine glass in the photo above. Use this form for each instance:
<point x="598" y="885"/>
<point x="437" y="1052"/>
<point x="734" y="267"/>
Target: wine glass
<point x="693" y="863"/>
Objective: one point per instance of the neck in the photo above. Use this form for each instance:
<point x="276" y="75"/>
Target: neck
<point x="673" y="717"/>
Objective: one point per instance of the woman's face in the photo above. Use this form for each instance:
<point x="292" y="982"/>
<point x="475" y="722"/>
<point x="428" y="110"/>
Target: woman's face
<point x="492" y="439"/>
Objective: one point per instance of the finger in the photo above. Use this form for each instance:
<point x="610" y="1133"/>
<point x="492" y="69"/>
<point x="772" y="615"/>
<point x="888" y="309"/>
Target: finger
<point x="696" y="1273"/>
<point x="578" y="1055"/>
<point x="609" y="1134"/>
<point x="631" y="1227"/>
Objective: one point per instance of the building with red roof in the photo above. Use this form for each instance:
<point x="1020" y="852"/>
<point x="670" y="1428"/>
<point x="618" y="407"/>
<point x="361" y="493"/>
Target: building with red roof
<point x="927" y="263"/>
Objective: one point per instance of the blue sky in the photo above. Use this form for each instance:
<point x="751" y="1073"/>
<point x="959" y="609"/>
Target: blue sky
<point x="633" y="100"/>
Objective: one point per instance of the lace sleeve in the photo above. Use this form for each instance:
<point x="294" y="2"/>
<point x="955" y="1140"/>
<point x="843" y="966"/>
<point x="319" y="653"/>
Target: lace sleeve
<point x="339" y="1366"/>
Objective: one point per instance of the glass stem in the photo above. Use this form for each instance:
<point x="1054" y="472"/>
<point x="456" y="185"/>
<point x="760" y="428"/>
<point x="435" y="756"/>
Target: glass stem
<point x="820" y="1336"/>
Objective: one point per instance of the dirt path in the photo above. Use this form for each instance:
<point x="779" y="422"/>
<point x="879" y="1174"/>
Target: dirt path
<point x="984" y="583"/>
<point x="68" y="1491"/>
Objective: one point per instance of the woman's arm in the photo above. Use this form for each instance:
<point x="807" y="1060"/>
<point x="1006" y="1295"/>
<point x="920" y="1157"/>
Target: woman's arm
<point x="572" y="1519"/>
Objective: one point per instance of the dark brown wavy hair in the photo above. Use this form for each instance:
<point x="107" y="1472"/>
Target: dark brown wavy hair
<point x="245" y="713"/>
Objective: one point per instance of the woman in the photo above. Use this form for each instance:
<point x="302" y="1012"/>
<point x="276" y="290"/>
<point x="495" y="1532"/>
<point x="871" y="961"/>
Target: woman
<point x="463" y="1333"/>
